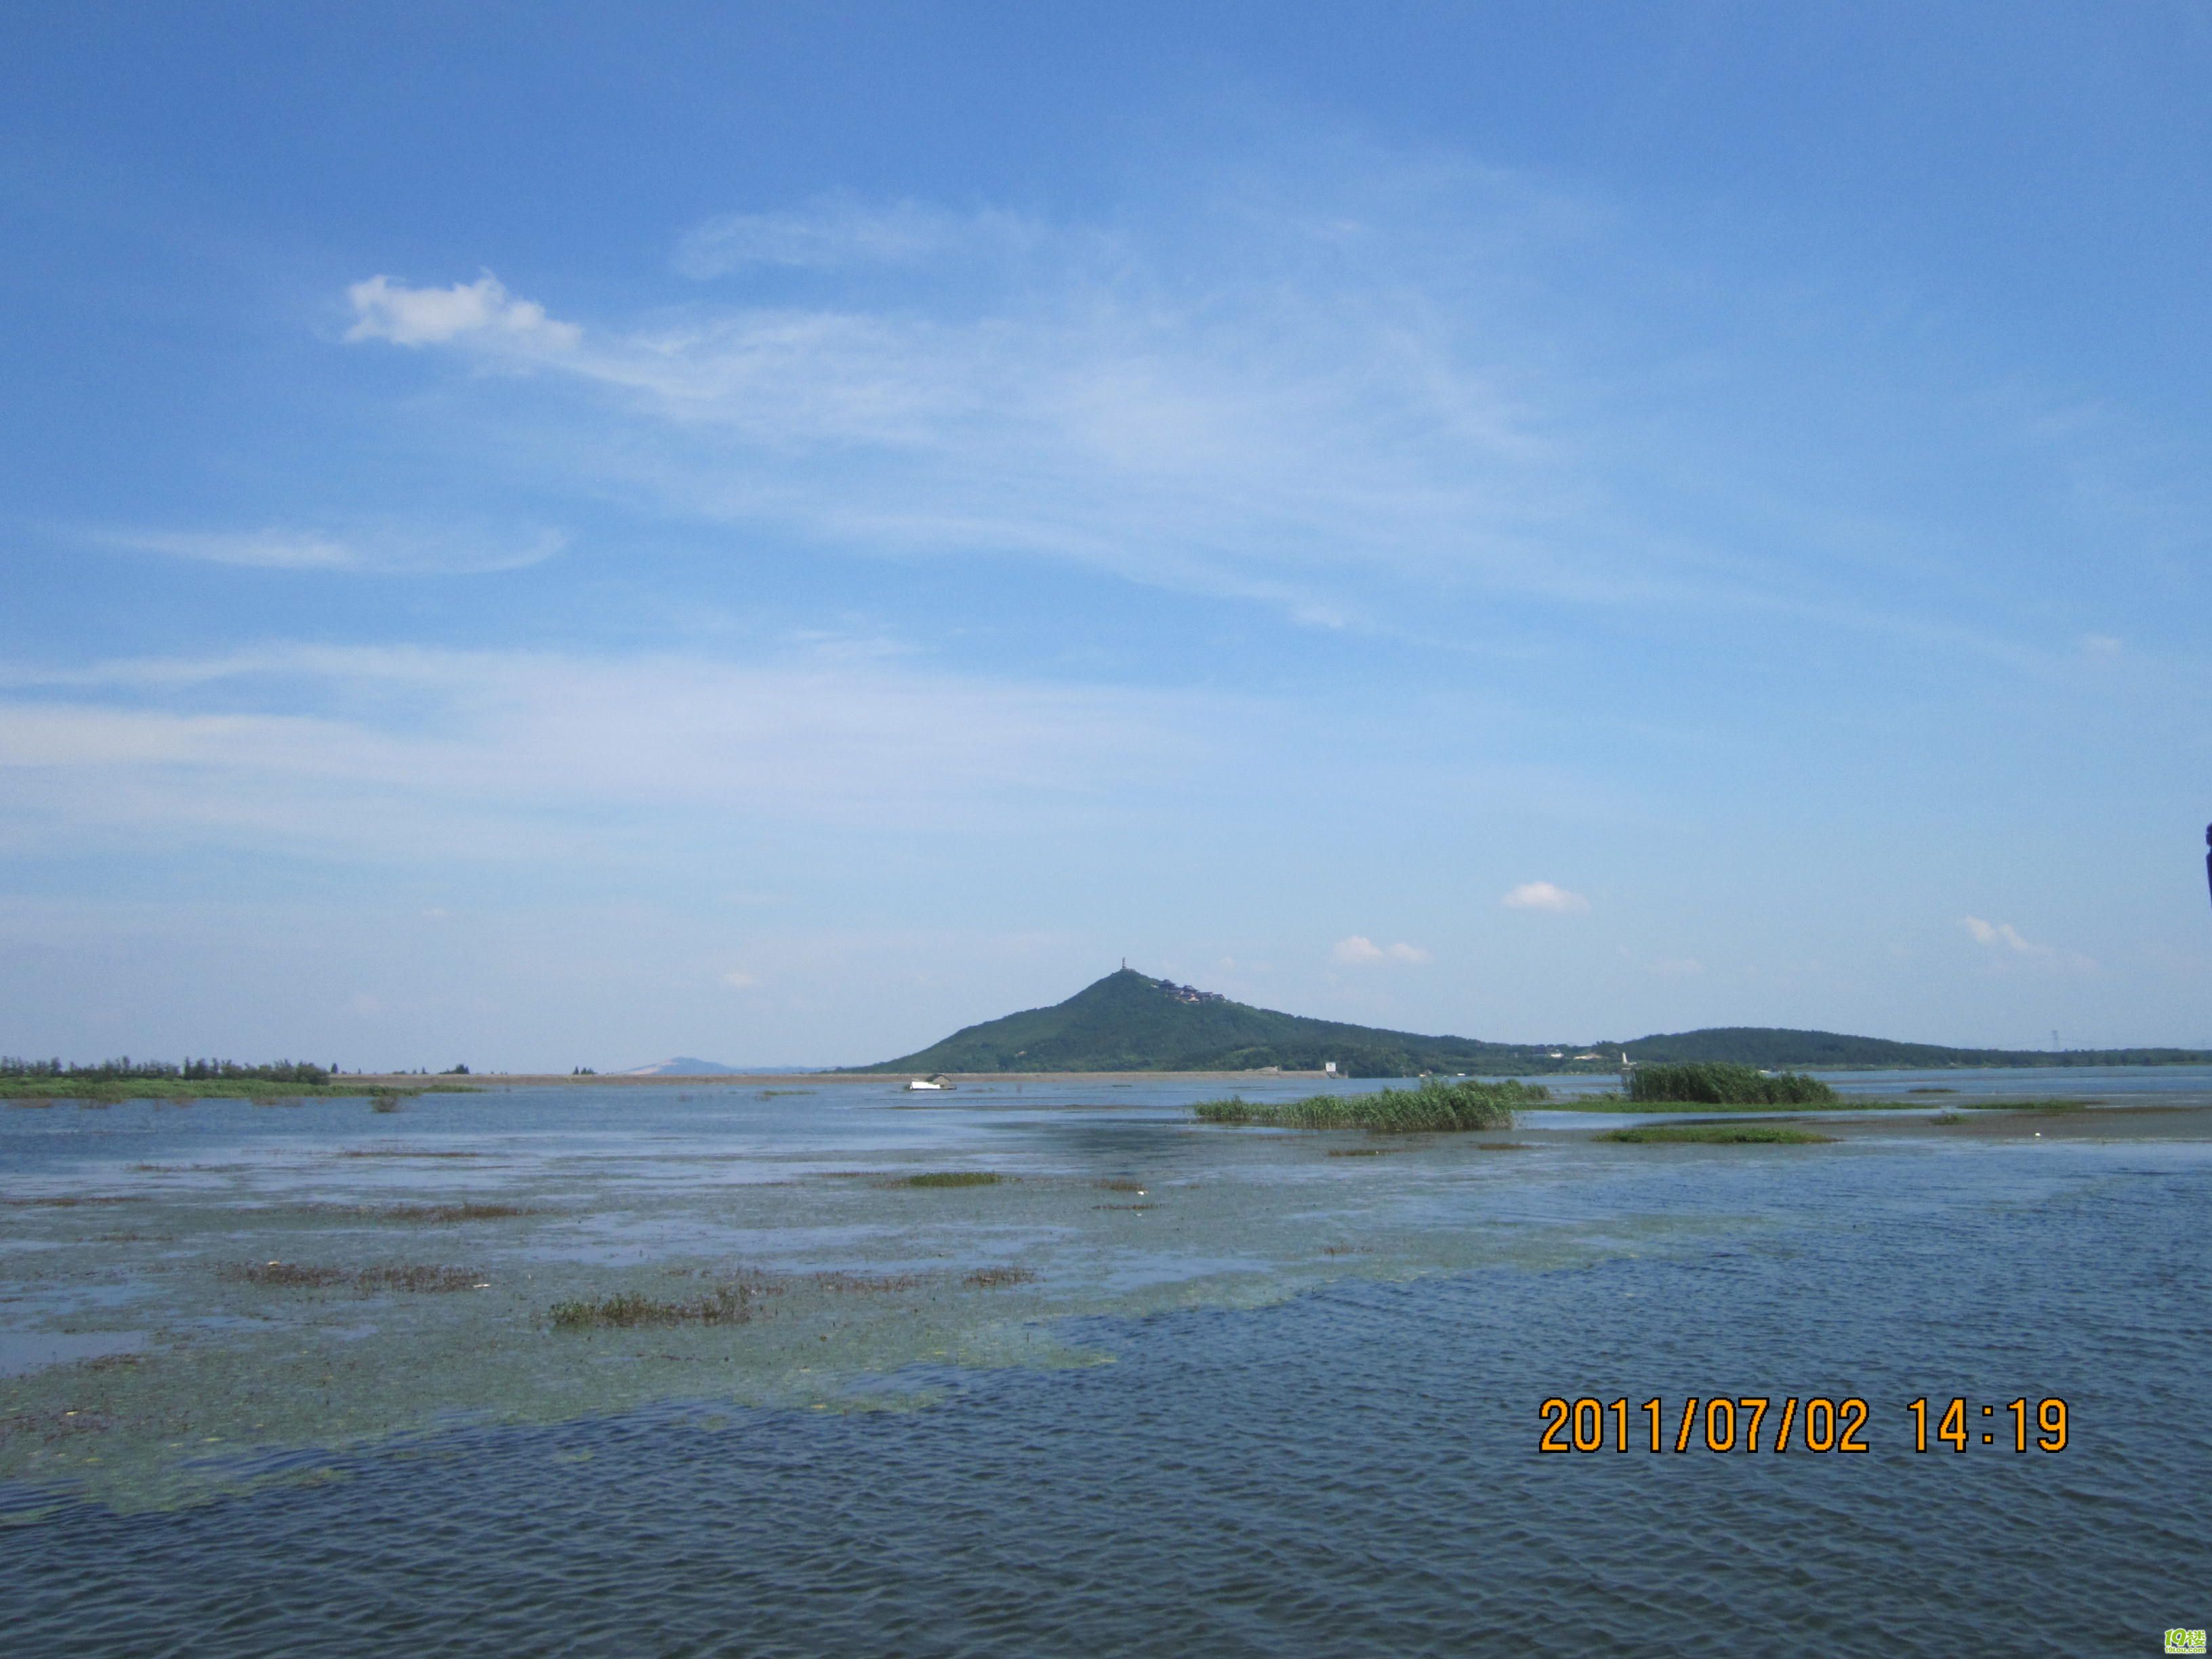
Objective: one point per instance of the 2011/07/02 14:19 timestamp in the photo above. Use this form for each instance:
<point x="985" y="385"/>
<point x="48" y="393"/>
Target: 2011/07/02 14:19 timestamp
<point x="1727" y="1422"/>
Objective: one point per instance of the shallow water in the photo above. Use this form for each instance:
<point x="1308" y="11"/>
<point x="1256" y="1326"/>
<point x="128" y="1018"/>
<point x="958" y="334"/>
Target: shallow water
<point x="1277" y="1402"/>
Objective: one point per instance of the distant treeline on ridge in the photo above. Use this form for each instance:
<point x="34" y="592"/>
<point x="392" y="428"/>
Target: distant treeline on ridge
<point x="1128" y="1022"/>
<point x="124" y="1069"/>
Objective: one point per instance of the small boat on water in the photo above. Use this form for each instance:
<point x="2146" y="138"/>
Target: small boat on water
<point x="934" y="1083"/>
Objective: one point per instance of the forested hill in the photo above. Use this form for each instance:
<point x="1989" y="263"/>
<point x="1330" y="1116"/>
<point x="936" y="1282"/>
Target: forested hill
<point x="1127" y="1022"/>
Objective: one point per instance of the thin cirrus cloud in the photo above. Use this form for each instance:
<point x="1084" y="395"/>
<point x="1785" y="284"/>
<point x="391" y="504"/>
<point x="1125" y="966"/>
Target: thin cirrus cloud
<point x="1544" y="896"/>
<point x="1397" y="379"/>
<point x="1279" y="400"/>
<point x="1360" y="951"/>
<point x="837" y="232"/>
<point x="374" y="551"/>
<point x="414" y="754"/>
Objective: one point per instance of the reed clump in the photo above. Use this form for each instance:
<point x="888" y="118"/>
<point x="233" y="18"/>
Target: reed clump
<point x="726" y="1304"/>
<point x="1434" y="1105"/>
<point x="953" y="1178"/>
<point x="307" y="1276"/>
<point x="852" y="1284"/>
<point x="283" y="1275"/>
<point x="995" y="1278"/>
<point x="1721" y="1083"/>
<point x="1761" y="1134"/>
<point x="465" y="1210"/>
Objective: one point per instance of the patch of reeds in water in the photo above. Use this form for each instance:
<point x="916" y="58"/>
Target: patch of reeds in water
<point x="994" y="1279"/>
<point x="307" y="1276"/>
<point x="1763" y="1135"/>
<point x="465" y="1210"/>
<point x="726" y="1304"/>
<point x="952" y="1178"/>
<point x="1720" y="1082"/>
<point x="1434" y="1105"/>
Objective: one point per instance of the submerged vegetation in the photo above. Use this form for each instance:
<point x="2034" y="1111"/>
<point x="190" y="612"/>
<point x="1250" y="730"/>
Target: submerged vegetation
<point x="1717" y="1083"/>
<point x="952" y="1178"/>
<point x="1436" y="1105"/>
<point x="1764" y="1134"/>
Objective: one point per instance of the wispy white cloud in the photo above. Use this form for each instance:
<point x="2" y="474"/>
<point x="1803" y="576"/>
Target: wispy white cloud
<point x="421" y="753"/>
<point x="380" y="549"/>
<point x="1359" y="951"/>
<point x="839" y="231"/>
<point x="1320" y="396"/>
<point x="1545" y="896"/>
<point x="1402" y="386"/>
<point x="478" y="311"/>
<point x="2008" y="941"/>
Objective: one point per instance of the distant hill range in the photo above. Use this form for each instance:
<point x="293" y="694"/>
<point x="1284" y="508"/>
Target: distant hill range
<point x="682" y="1065"/>
<point x="1127" y="1022"/>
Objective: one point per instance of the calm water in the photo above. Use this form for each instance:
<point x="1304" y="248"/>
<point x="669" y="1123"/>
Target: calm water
<point x="1280" y="1403"/>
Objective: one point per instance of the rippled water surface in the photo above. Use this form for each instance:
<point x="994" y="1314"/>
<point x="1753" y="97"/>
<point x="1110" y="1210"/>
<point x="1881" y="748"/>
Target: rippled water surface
<point x="1226" y="1393"/>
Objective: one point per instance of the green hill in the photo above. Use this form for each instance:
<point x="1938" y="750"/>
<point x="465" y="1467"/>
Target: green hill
<point x="1127" y="1022"/>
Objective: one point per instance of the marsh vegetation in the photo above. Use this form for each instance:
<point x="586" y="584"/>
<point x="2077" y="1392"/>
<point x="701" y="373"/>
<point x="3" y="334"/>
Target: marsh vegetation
<point x="1763" y="1135"/>
<point x="368" y="1281"/>
<point x="730" y="1303"/>
<point x="1434" y="1105"/>
<point x="1716" y="1083"/>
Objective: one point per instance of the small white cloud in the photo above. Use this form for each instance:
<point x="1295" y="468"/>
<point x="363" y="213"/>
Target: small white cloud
<point x="1543" y="895"/>
<point x="2008" y="941"/>
<point x="737" y="980"/>
<point x="2003" y="934"/>
<point x="385" y="310"/>
<point x="1358" y="951"/>
<point x="2101" y="647"/>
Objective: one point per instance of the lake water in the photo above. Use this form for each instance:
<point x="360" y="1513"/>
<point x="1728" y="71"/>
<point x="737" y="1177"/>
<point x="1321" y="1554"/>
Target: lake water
<point x="1277" y="1401"/>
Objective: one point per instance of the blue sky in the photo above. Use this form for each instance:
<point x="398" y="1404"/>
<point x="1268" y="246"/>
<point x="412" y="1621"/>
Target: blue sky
<point x="554" y="535"/>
